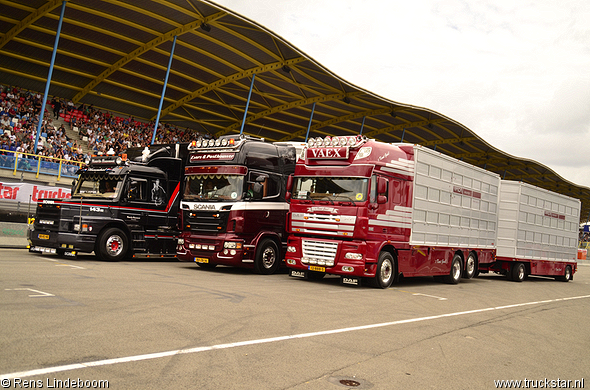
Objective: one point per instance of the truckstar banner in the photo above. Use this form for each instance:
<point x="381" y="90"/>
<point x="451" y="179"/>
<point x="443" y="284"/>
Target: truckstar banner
<point x="25" y="192"/>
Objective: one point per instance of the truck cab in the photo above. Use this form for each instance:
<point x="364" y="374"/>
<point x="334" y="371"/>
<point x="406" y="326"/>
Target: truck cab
<point x="118" y="208"/>
<point x="233" y="204"/>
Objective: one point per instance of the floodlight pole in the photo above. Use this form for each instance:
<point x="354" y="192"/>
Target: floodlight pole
<point x="48" y="83"/>
<point x="164" y="90"/>
<point x="247" y="104"/>
<point x="310" y="119"/>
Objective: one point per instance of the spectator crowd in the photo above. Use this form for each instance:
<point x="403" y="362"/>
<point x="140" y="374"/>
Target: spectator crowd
<point x="100" y="131"/>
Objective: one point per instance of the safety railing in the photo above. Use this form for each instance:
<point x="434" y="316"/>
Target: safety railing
<point x="25" y="162"/>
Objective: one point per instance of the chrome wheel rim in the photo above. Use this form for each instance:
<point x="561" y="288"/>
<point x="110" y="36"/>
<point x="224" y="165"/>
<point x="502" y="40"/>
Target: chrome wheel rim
<point x="268" y="257"/>
<point x="470" y="265"/>
<point x="114" y="245"/>
<point x="456" y="270"/>
<point x="386" y="271"/>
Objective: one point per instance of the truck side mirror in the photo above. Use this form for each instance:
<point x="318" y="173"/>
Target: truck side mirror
<point x="289" y="183"/>
<point x="381" y="199"/>
<point x="381" y="185"/>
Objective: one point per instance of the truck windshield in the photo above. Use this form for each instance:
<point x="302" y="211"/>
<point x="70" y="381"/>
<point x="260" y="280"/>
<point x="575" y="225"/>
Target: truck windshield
<point x="98" y="186"/>
<point x="213" y="187"/>
<point x="336" y="189"/>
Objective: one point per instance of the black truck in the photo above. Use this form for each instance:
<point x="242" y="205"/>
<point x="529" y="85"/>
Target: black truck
<point x="119" y="207"/>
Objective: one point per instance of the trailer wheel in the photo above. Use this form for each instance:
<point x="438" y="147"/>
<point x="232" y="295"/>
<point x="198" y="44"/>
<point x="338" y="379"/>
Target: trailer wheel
<point x="470" y="267"/>
<point x="267" y="257"/>
<point x="112" y="245"/>
<point x="567" y="275"/>
<point x="455" y="273"/>
<point x="518" y="272"/>
<point x="385" y="271"/>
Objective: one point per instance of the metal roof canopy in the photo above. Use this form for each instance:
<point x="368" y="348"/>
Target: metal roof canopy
<point x="114" y="54"/>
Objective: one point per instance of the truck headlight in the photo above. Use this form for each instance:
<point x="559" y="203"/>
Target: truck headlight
<point x="353" y="256"/>
<point x="232" y="245"/>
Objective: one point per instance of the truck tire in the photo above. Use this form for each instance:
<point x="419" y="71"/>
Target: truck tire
<point x="567" y="275"/>
<point x="267" y="259"/>
<point x="470" y="266"/>
<point x="456" y="270"/>
<point x="112" y="245"/>
<point x="385" y="272"/>
<point x="518" y="272"/>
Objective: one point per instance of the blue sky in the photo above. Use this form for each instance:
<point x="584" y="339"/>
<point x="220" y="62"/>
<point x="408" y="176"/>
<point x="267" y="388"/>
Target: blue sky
<point x="516" y="73"/>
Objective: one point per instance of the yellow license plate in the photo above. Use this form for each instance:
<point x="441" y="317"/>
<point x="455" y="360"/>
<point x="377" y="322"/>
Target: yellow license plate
<point x="316" y="268"/>
<point x="44" y="236"/>
<point x="201" y="260"/>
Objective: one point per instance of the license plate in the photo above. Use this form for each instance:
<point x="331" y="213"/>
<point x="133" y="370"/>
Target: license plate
<point x="316" y="268"/>
<point x="201" y="260"/>
<point x="44" y="236"/>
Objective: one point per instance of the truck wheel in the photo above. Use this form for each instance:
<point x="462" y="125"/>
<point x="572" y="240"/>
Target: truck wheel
<point x="567" y="275"/>
<point x="267" y="257"/>
<point x="112" y="245"/>
<point x="470" y="267"/>
<point x="518" y="272"/>
<point x="455" y="273"/>
<point x="385" y="270"/>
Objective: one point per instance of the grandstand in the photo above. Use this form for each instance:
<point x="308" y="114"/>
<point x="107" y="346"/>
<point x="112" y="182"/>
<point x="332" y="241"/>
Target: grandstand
<point x="227" y="74"/>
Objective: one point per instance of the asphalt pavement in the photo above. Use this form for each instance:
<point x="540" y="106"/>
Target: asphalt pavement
<point x="171" y="325"/>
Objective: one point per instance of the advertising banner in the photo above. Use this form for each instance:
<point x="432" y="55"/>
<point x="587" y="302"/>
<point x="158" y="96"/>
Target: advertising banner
<point x="23" y="192"/>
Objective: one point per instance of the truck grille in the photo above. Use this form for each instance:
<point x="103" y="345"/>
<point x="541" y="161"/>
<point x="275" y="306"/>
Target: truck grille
<point x="319" y="252"/>
<point x="47" y="217"/>
<point x="206" y="221"/>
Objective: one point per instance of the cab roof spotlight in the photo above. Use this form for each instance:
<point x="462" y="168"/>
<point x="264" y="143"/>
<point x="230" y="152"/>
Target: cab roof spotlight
<point x="224" y="142"/>
<point x="311" y="143"/>
<point x="211" y="143"/>
<point x="335" y="141"/>
<point x="198" y="143"/>
<point x="343" y="141"/>
<point x="218" y="142"/>
<point x="327" y="140"/>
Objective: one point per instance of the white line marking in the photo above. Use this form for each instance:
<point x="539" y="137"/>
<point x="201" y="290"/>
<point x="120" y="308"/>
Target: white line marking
<point x="69" y="265"/>
<point x="76" y="366"/>
<point x="430" y="296"/>
<point x="40" y="293"/>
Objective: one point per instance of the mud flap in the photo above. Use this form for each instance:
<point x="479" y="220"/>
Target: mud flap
<point x="350" y="281"/>
<point x="298" y="274"/>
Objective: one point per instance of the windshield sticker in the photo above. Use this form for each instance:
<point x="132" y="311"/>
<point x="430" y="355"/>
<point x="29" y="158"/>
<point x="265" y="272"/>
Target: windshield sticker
<point x="359" y="196"/>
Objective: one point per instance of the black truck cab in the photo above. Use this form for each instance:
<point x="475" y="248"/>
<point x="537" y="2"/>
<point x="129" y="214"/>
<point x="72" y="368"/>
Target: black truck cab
<point x="118" y="208"/>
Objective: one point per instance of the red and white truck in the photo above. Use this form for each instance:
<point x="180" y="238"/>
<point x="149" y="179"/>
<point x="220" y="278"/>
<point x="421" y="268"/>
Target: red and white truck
<point x="233" y="207"/>
<point x="363" y="209"/>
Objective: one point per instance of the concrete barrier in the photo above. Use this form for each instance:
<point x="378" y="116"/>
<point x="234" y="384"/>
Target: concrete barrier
<point x="13" y="235"/>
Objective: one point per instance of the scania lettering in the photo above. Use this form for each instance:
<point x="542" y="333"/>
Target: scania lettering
<point x="373" y="211"/>
<point x="118" y="208"/>
<point x="233" y="204"/>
